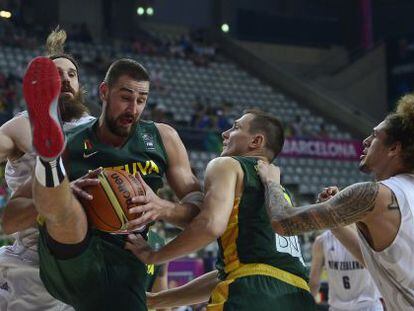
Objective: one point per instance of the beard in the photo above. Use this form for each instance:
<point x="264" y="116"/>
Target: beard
<point x="72" y="108"/>
<point x="364" y="167"/>
<point x="112" y="123"/>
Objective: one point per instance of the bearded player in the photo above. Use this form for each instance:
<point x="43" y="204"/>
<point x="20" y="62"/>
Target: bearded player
<point x="75" y="258"/>
<point x="20" y="285"/>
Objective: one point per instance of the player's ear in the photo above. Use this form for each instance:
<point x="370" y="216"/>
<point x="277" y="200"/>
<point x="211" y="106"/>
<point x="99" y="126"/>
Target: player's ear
<point x="257" y="141"/>
<point x="103" y="91"/>
<point x="395" y="149"/>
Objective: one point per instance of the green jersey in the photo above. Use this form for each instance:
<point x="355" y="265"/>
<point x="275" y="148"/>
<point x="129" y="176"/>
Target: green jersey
<point x="105" y="276"/>
<point x="143" y="152"/>
<point x="249" y="237"/>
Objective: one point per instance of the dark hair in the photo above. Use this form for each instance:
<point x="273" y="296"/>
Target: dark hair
<point x="125" y="66"/>
<point x="55" y="44"/>
<point x="270" y="127"/>
<point x="400" y="128"/>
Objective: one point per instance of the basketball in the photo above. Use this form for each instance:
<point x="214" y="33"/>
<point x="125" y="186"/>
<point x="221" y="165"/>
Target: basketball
<point x="108" y="210"/>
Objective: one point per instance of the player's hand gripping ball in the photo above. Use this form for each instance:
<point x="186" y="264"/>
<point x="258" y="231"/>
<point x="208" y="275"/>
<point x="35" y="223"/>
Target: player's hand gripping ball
<point x="108" y="210"/>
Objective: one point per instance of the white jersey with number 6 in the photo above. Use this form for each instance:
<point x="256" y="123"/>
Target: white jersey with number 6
<point x="350" y="284"/>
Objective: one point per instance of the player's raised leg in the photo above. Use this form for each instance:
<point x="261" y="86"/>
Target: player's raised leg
<point x="65" y="219"/>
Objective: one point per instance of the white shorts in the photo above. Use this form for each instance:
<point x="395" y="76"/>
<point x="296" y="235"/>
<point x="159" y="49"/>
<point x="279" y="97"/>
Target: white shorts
<point x="21" y="288"/>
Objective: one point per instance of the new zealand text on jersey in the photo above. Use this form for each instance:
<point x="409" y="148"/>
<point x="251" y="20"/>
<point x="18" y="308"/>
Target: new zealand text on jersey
<point x="345" y="265"/>
<point x="144" y="168"/>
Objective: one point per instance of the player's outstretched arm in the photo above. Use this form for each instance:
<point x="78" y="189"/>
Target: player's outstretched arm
<point x="20" y="213"/>
<point x="194" y="292"/>
<point x="354" y="203"/>
<point x="316" y="266"/>
<point x="220" y="183"/>
<point x="182" y="181"/>
<point x="161" y="283"/>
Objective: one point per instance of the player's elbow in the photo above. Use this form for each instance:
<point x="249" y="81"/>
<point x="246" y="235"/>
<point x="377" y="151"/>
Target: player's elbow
<point x="215" y="230"/>
<point x="215" y="227"/>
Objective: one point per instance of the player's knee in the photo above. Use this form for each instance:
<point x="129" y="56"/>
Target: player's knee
<point x="69" y="228"/>
<point x="54" y="203"/>
<point x="69" y="211"/>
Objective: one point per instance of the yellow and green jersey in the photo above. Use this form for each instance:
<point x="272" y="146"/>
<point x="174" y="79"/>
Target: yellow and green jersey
<point x="249" y="237"/>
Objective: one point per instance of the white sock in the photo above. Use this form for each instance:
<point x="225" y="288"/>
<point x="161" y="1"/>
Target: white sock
<point x="50" y="173"/>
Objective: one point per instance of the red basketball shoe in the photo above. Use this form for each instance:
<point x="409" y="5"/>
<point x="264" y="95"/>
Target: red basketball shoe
<point x="41" y="89"/>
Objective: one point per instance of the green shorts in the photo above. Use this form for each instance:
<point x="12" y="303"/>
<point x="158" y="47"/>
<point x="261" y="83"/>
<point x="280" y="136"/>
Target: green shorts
<point x="103" y="277"/>
<point x="259" y="292"/>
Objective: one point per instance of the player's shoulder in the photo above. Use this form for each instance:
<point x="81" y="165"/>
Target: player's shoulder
<point x="223" y="163"/>
<point x="374" y="193"/>
<point x="165" y="129"/>
<point x="169" y="137"/>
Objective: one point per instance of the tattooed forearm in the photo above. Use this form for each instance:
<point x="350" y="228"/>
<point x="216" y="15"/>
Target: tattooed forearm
<point x="348" y="206"/>
<point x="275" y="199"/>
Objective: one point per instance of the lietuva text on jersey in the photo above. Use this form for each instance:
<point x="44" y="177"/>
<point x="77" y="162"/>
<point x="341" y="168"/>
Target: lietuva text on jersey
<point x="145" y="168"/>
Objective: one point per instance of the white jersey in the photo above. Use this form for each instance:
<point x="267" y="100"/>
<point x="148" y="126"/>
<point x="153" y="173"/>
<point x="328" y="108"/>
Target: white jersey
<point x="393" y="268"/>
<point x="16" y="173"/>
<point x="350" y="284"/>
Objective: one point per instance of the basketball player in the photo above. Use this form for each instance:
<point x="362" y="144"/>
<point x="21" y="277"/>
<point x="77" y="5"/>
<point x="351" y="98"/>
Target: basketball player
<point x="350" y="284"/>
<point x="382" y="210"/>
<point x="80" y="266"/>
<point x="20" y="285"/>
<point x="252" y="273"/>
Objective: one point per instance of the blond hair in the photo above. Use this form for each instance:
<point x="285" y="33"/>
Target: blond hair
<point x="55" y="42"/>
<point x="55" y="46"/>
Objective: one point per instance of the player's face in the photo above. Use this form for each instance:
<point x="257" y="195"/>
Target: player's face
<point x="68" y="76"/>
<point x="71" y="100"/>
<point x="236" y="139"/>
<point x="374" y="156"/>
<point x="125" y="102"/>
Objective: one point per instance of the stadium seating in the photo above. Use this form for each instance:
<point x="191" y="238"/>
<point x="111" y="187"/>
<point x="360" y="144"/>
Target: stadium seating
<point x="219" y="81"/>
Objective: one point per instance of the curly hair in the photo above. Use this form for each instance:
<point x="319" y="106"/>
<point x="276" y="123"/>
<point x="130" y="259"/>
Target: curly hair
<point x="400" y="128"/>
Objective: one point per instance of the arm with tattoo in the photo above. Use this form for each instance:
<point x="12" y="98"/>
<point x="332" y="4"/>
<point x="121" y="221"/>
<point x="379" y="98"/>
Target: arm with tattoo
<point x="348" y="206"/>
